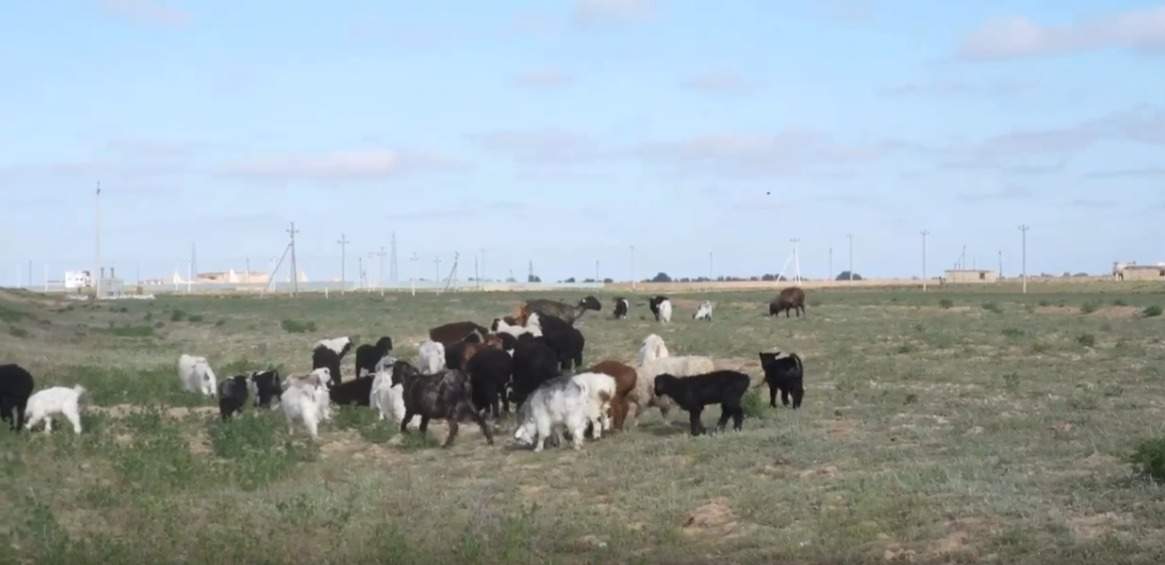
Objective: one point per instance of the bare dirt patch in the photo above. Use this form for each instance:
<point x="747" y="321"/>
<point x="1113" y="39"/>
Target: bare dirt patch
<point x="1095" y="526"/>
<point x="715" y="520"/>
<point x="1117" y="313"/>
<point x="1057" y="310"/>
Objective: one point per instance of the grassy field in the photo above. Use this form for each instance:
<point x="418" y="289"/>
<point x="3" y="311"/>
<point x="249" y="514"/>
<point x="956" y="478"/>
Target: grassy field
<point x="961" y="425"/>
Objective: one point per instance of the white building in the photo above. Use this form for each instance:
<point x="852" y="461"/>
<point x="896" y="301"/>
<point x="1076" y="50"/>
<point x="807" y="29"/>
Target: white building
<point x="78" y="279"/>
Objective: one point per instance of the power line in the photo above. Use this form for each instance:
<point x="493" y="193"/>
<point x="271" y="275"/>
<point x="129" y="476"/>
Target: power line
<point x="380" y="273"/>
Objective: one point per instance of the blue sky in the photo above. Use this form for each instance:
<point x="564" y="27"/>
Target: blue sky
<point x="565" y="132"/>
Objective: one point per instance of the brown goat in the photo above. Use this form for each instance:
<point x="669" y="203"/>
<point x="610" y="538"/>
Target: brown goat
<point x="449" y="334"/>
<point x="470" y="349"/>
<point x="624" y="376"/>
<point x="792" y="298"/>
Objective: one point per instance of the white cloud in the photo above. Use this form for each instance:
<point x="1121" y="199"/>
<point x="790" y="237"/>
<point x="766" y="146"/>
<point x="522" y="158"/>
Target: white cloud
<point x="157" y="12"/>
<point x="370" y="164"/>
<point x="547" y="78"/>
<point x="604" y="12"/>
<point x="1142" y="30"/>
<point x="721" y="82"/>
<point x="785" y="153"/>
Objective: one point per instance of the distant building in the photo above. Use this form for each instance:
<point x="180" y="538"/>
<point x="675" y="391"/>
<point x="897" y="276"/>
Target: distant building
<point x="1134" y="272"/>
<point x="232" y="277"/>
<point x="78" y="279"/>
<point x="961" y="276"/>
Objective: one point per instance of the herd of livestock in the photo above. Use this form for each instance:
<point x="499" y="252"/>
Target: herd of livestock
<point x="468" y="372"/>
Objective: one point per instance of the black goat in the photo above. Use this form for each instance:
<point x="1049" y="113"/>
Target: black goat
<point x="232" y="396"/>
<point x="489" y="374"/>
<point x="534" y="363"/>
<point x="328" y="353"/>
<point x="446" y="395"/>
<point x="566" y="341"/>
<point x="354" y="392"/>
<point x="784" y="374"/>
<point x="15" y="388"/>
<point x="367" y="356"/>
<point x="725" y="388"/>
<point x="654" y="303"/>
<point x="622" y="306"/>
<point x="267" y="387"/>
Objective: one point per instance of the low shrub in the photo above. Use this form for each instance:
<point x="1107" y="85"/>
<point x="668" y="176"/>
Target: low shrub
<point x="297" y="326"/>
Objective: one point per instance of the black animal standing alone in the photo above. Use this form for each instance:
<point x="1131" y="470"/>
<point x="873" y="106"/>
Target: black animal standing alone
<point x="232" y="396"/>
<point x="693" y="393"/>
<point x="15" y="387"/>
<point x="367" y="356"/>
<point x="784" y="374"/>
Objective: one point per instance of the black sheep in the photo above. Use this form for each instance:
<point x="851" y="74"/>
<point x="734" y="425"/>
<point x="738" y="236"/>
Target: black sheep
<point x="267" y="387"/>
<point x="566" y="341"/>
<point x="784" y="374"/>
<point x="15" y="388"/>
<point x="693" y="393"/>
<point x="534" y="363"/>
<point x="446" y="395"/>
<point x="489" y="373"/>
<point x="367" y="356"/>
<point x="232" y="396"/>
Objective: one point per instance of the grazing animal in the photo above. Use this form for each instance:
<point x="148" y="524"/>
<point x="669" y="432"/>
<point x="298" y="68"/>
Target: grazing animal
<point x="661" y="308"/>
<point x="532" y="327"/>
<point x="458" y="354"/>
<point x="622" y="307"/>
<point x="355" y="392"/>
<point x="328" y="353"/>
<point x="322" y="380"/>
<point x="600" y="391"/>
<point x="693" y="393"/>
<point x="266" y="387"/>
<point x="562" y="311"/>
<point x="431" y="357"/>
<point x="489" y="374"/>
<point x="625" y="377"/>
<point x="232" y="396"/>
<point x="784" y="374"/>
<point x="367" y="356"/>
<point x="387" y="398"/>
<point x="653" y="348"/>
<point x="566" y="341"/>
<point x="509" y="342"/>
<point x="196" y="375"/>
<point x="534" y="363"/>
<point x="449" y="334"/>
<point x="15" y="387"/>
<point x="559" y="403"/>
<point x="53" y="401"/>
<point x="305" y="400"/>
<point x="446" y="395"/>
<point x="790" y="299"/>
<point x="704" y="312"/>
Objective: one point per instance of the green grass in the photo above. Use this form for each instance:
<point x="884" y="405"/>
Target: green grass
<point x="946" y="434"/>
<point x="1151" y="311"/>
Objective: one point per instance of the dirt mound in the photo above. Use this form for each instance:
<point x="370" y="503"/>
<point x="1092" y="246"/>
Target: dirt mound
<point x="1057" y="310"/>
<point x="1117" y="313"/>
<point x="1095" y="526"/>
<point x="714" y="519"/>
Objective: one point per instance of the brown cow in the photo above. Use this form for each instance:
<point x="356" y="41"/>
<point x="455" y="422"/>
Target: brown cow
<point x="625" y="376"/>
<point x="792" y="298"/>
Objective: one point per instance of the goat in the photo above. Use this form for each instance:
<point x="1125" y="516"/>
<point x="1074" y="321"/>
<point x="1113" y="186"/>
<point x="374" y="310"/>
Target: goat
<point x="305" y="400"/>
<point x="562" y="311"/>
<point x="704" y="312"/>
<point x="489" y="373"/>
<point x="367" y="356"/>
<point x="431" y="357"/>
<point x="196" y="375"/>
<point x="458" y="354"/>
<point x="784" y="374"/>
<point x="622" y="307"/>
<point x="451" y="333"/>
<point x="16" y="386"/>
<point x="232" y="396"/>
<point x="693" y="393"/>
<point x="625" y="378"/>
<point x="446" y="395"/>
<point x="354" y="392"/>
<point x="653" y="348"/>
<point x="534" y="363"/>
<point x="560" y="402"/>
<point x="52" y="401"/>
<point x="661" y="307"/>
<point x="566" y="341"/>
<point x="600" y="391"/>
<point x="266" y="387"/>
<point x="532" y="327"/>
<point x="387" y="398"/>
<point x="328" y="353"/>
<point x="790" y="299"/>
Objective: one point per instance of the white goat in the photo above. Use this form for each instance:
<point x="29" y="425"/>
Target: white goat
<point x="653" y="348"/>
<point x="430" y="357"/>
<point x="600" y="389"/>
<point x="196" y="375"/>
<point x="388" y="400"/>
<point x="306" y="399"/>
<point x="559" y="403"/>
<point x="665" y="311"/>
<point x="704" y="312"/>
<point x="56" y="400"/>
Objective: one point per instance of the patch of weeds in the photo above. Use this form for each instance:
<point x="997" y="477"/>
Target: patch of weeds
<point x="1119" y="302"/>
<point x="1086" y="340"/>
<point x="1083" y="400"/>
<point x="194" y="318"/>
<point x="177" y="315"/>
<point x="946" y="303"/>
<point x="1148" y="459"/>
<point x="1151" y="311"/>
<point x="132" y="331"/>
<point x="353" y="417"/>
<point x="1112" y="390"/>
<point x="256" y="451"/>
<point x="159" y="325"/>
<point x="297" y="326"/>
<point x="159" y="458"/>
<point x="148" y="317"/>
<point x="415" y="440"/>
<point x="10" y="314"/>
<point x="1040" y="347"/>
<point x="918" y="328"/>
<point x="1045" y="303"/>
<point x="379" y="432"/>
<point x="109" y="385"/>
<point x="1013" y="333"/>
<point x="992" y="307"/>
<point x="1029" y="308"/>
<point x="1011" y="381"/>
<point x="905" y="348"/>
<point x="220" y="323"/>
<point x="753" y="405"/>
<point x="1089" y="307"/>
<point x="17" y="332"/>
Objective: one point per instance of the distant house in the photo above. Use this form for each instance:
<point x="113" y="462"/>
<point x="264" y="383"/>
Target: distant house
<point x="232" y="277"/>
<point x="78" y="279"/>
<point x="962" y="276"/>
<point x="1135" y="272"/>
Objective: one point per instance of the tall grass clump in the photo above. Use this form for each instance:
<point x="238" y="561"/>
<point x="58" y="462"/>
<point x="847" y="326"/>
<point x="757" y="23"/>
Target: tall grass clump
<point x="946" y="303"/>
<point x="992" y="307"/>
<point x="1089" y="307"/>
<point x="297" y="326"/>
<point x="255" y="450"/>
<point x="1152" y="311"/>
<point x="1148" y="459"/>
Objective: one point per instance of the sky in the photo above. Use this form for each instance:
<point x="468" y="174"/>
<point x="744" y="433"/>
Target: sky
<point x="564" y="133"/>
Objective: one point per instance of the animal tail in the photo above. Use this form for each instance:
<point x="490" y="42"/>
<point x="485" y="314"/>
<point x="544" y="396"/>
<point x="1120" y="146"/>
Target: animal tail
<point x="797" y="358"/>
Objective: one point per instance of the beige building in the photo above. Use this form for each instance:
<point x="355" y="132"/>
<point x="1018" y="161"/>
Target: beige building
<point x="233" y="277"/>
<point x="1130" y="272"/>
<point x="960" y="276"/>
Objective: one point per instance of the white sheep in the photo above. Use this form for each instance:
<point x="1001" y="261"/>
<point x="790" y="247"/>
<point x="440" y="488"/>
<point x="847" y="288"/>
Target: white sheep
<point x="654" y="360"/>
<point x="56" y="400"/>
<point x="653" y="348"/>
<point x="431" y="357"/>
<point x="601" y="390"/>
<point x="665" y="311"/>
<point x="387" y="399"/>
<point x="559" y="403"/>
<point x="196" y="375"/>
<point x="704" y="312"/>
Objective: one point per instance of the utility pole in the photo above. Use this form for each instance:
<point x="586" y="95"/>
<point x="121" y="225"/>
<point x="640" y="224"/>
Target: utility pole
<point x="437" y="264"/>
<point x="530" y="276"/>
<point x="193" y="258"/>
<point x="343" y="262"/>
<point x="482" y="251"/>
<point x="380" y="272"/>
<point x="924" y="234"/>
<point x="1023" y="230"/>
<point x="851" y="256"/>
<point x="294" y="266"/>
<point x="597" y="279"/>
<point x="29" y="285"/>
<point x="1000" y="263"/>
<point x="634" y="283"/>
<point x="361" y="279"/>
<point x="97" y="239"/>
<point x="476" y="273"/>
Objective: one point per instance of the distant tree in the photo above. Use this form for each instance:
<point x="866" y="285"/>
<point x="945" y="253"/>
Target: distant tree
<point x="844" y="276"/>
<point x="534" y="279"/>
<point x="511" y="280"/>
<point x="661" y="278"/>
<point x="570" y="280"/>
<point x="608" y="281"/>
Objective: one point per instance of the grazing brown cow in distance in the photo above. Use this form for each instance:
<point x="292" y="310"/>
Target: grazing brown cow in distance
<point x="792" y="298"/>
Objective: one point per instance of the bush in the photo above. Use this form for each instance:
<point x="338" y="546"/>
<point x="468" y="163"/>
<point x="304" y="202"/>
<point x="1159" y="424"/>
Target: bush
<point x="1088" y="307"/>
<point x="1011" y="381"/>
<point x="1148" y="458"/>
<point x="1045" y="303"/>
<point x="1038" y="347"/>
<point x="844" y="276"/>
<point x="1013" y="333"/>
<point x="753" y="405"/>
<point x="1119" y="302"/>
<point x="194" y="319"/>
<point x="17" y="332"/>
<point x="1086" y="340"/>
<point x="1152" y="311"/>
<point x="905" y="348"/>
<point x="992" y="307"/>
<point x="132" y="331"/>
<point x="177" y="316"/>
<point x="297" y="326"/>
<point x="946" y="303"/>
